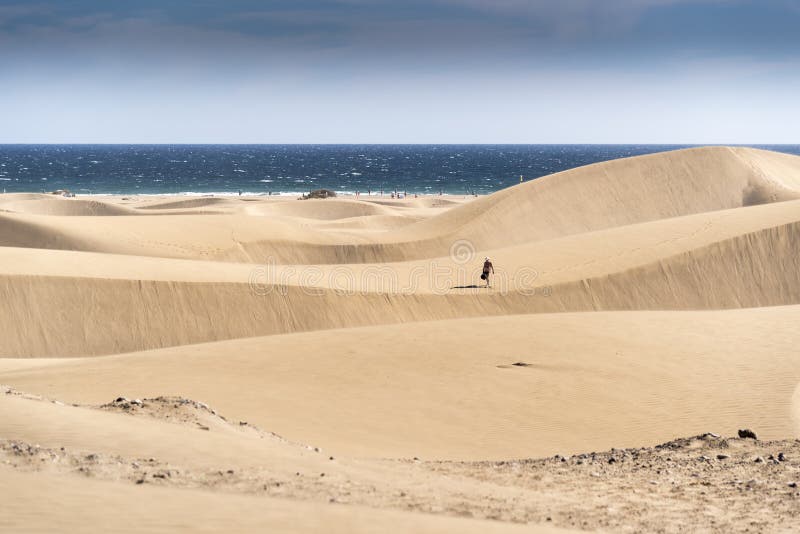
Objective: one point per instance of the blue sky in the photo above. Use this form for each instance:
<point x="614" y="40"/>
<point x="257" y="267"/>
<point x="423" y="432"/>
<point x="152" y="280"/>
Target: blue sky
<point x="381" y="71"/>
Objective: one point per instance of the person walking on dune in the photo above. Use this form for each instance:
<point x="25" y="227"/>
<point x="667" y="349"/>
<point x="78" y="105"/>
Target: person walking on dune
<point x="487" y="268"/>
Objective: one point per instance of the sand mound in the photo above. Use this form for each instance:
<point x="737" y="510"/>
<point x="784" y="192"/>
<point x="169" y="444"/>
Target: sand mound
<point x="327" y="209"/>
<point x="70" y="207"/>
<point x="372" y="223"/>
<point x="434" y="202"/>
<point x="230" y="237"/>
<point x="178" y="410"/>
<point x="10" y="197"/>
<point x="187" y="203"/>
<point x="15" y="232"/>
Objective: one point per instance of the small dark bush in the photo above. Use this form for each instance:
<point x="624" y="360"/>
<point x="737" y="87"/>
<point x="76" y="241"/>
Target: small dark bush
<point x="320" y="193"/>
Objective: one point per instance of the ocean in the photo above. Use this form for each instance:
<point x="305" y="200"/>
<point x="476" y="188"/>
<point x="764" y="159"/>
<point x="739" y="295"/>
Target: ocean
<point x="295" y="169"/>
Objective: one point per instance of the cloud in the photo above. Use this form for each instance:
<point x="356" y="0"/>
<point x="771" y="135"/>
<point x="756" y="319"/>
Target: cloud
<point x="350" y="20"/>
<point x="561" y="17"/>
<point x="242" y="35"/>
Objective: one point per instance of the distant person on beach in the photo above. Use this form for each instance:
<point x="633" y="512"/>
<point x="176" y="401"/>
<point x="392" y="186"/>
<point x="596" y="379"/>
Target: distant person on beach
<point x="487" y="268"/>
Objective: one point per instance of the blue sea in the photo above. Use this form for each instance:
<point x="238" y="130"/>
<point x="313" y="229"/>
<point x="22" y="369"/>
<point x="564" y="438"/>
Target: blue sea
<point x="294" y="169"/>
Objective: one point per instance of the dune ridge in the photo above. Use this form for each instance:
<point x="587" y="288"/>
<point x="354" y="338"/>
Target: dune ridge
<point x="752" y="270"/>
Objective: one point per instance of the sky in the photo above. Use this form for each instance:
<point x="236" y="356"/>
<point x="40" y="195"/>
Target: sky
<point x="400" y="71"/>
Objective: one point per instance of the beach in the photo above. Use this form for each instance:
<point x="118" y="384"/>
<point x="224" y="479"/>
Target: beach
<point x="189" y="363"/>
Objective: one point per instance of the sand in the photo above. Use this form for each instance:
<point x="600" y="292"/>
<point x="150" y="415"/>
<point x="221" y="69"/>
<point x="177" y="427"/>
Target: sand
<point x="334" y="356"/>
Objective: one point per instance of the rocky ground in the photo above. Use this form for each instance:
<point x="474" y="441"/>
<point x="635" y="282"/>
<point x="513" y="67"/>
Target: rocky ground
<point x="704" y="483"/>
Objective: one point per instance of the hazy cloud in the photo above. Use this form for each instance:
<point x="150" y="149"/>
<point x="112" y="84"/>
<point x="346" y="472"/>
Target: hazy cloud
<point x="413" y="30"/>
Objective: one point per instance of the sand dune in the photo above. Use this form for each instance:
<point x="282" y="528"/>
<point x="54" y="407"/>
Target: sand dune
<point x="322" y="209"/>
<point x="634" y="301"/>
<point x="735" y="259"/>
<point x="188" y="203"/>
<point x="592" y="381"/>
<point x="619" y="193"/>
<point x="56" y="205"/>
<point x="370" y="223"/>
<point x="22" y="233"/>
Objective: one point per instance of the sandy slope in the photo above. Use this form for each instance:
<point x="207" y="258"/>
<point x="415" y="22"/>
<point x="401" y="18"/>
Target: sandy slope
<point x="727" y="259"/>
<point x="127" y="508"/>
<point x="724" y="484"/>
<point x="622" y="192"/>
<point x="593" y="381"/>
<point x="645" y="299"/>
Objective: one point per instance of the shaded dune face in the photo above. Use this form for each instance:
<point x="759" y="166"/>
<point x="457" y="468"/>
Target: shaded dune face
<point x="633" y="301"/>
<point x="112" y="316"/>
<point x="50" y="205"/>
<point x="16" y="232"/>
<point x="622" y="192"/>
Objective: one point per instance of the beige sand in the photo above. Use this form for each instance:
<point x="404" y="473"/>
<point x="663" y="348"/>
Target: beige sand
<point x="635" y="301"/>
